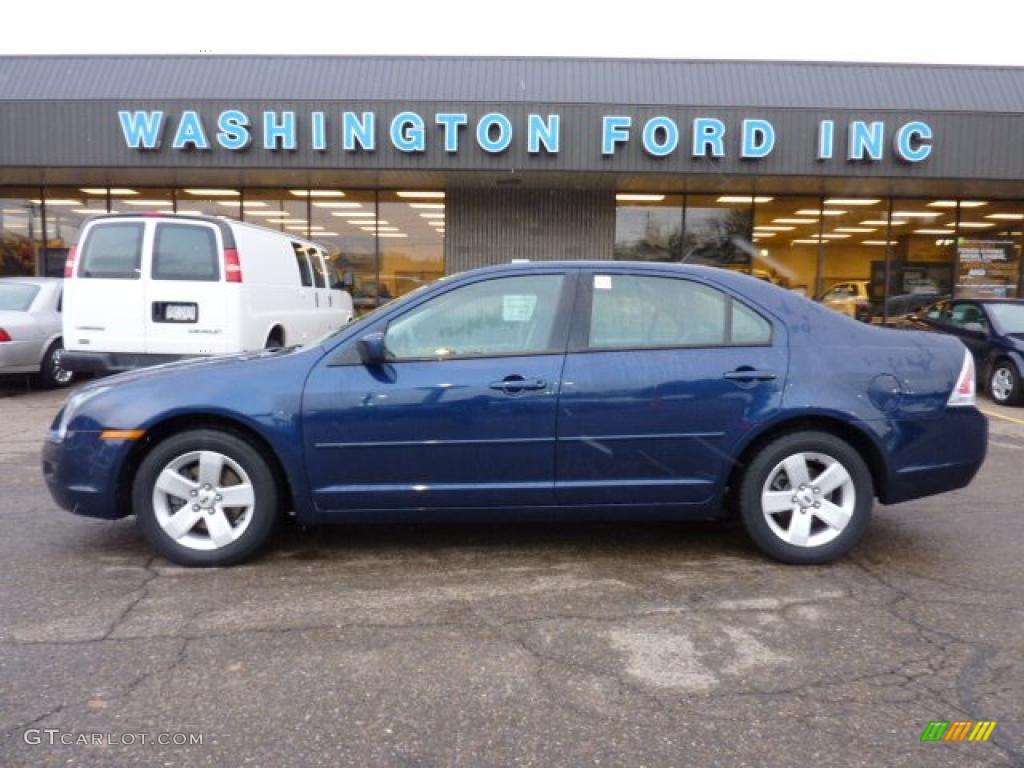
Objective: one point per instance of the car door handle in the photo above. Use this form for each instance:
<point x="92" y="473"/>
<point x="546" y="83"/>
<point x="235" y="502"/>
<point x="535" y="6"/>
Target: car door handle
<point x="746" y="373"/>
<point x="516" y="383"/>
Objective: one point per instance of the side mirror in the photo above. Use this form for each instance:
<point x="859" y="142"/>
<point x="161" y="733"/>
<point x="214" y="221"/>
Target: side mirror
<point x="372" y="350"/>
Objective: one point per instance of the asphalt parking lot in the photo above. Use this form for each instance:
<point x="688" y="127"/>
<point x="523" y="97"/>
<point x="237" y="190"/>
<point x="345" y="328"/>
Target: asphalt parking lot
<point x="535" y="645"/>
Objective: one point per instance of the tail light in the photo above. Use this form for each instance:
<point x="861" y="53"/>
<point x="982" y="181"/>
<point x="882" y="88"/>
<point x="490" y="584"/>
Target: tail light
<point x="232" y="266"/>
<point x="4" y="335"/>
<point x="965" y="391"/>
<point x="69" y="265"/>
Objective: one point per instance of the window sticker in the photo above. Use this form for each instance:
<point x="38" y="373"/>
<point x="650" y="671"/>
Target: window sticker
<point x="602" y="282"/>
<point x="518" y="308"/>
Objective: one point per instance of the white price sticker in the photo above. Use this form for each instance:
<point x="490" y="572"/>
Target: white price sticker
<point x="602" y="282"/>
<point x="518" y="308"/>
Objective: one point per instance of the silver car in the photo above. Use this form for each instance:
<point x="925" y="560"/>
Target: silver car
<point x="30" y="328"/>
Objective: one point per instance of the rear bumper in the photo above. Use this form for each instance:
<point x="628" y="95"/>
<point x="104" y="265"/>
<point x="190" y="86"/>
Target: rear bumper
<point x="937" y="455"/>
<point x="112" y="362"/>
<point x="81" y="474"/>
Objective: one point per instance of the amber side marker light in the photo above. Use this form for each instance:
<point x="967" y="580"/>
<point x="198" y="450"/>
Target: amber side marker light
<point x="122" y="434"/>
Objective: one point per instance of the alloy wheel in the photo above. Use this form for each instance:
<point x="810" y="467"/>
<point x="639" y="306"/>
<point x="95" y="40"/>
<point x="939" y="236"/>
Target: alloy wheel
<point x="1002" y="384"/>
<point x="808" y="499"/>
<point x="203" y="500"/>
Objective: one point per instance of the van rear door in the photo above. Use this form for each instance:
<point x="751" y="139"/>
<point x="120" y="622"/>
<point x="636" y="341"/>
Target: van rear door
<point x="187" y="300"/>
<point x="105" y="304"/>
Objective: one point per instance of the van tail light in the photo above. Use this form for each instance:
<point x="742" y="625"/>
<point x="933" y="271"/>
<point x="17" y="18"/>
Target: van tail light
<point x="69" y="265"/>
<point x="4" y="335"/>
<point x="232" y="266"/>
<point x="965" y="391"/>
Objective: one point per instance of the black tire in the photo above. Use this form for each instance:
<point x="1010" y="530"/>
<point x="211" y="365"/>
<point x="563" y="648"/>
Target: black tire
<point x="1014" y="394"/>
<point x="264" y="511"/>
<point x="51" y="374"/>
<point x="275" y="340"/>
<point x="764" y="463"/>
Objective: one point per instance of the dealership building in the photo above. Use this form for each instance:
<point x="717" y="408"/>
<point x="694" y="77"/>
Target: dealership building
<point x="905" y="181"/>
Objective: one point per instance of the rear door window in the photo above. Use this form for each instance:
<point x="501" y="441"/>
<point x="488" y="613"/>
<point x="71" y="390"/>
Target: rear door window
<point x="305" y="273"/>
<point x="319" y="273"/>
<point x="185" y="252"/>
<point x="113" y="251"/>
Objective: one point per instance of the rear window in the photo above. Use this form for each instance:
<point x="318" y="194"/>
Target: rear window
<point x="113" y="251"/>
<point x="318" y="269"/>
<point x="185" y="252"/>
<point x="17" y="296"/>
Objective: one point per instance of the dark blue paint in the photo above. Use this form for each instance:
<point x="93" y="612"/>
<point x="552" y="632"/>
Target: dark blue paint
<point x="609" y="434"/>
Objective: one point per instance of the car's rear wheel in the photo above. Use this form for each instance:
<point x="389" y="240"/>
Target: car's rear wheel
<point x="806" y="498"/>
<point x="52" y="372"/>
<point x="1004" y="384"/>
<point x="205" y="498"/>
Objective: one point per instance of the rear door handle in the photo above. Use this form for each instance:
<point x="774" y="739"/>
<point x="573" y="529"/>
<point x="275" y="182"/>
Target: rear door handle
<point x="516" y="383"/>
<point x="746" y="373"/>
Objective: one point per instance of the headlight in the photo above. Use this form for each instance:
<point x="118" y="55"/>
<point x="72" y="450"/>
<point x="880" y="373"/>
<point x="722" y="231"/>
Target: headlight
<point x="71" y="406"/>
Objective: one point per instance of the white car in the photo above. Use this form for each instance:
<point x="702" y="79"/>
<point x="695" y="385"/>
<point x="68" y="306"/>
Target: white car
<point x="30" y="329"/>
<point x="141" y="290"/>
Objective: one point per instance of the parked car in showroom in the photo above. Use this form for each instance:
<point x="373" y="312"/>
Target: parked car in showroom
<point x="148" y="289"/>
<point x="993" y="329"/>
<point x="851" y="298"/>
<point x="543" y="390"/>
<point x="30" y="329"/>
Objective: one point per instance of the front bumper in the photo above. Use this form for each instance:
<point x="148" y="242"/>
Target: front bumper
<point x="81" y="472"/>
<point x="113" y="362"/>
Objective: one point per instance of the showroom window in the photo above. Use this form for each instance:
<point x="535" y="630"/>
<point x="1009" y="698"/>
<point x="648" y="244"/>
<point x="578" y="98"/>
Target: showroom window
<point x="67" y="211"/>
<point x="410" y="232"/>
<point x="21" y="231"/>
<point x="338" y="219"/>
<point x="648" y="227"/>
<point x="717" y="230"/>
<point x="988" y="249"/>
<point x="209" y="201"/>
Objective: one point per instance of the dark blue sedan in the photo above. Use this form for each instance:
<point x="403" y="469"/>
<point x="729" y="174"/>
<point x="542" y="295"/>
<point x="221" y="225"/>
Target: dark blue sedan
<point x="570" y="390"/>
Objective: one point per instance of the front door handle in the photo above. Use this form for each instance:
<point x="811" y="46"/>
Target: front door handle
<point x="515" y="383"/>
<point x="746" y="373"/>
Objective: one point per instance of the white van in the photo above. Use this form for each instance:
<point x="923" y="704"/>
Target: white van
<point x="141" y="290"/>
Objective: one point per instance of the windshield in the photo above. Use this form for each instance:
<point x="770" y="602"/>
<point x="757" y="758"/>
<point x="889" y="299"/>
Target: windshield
<point x="17" y="296"/>
<point x="1009" y="318"/>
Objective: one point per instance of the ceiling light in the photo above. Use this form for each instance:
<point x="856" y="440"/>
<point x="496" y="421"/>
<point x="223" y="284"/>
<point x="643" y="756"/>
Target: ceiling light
<point x="245" y="204"/>
<point x="326" y="234"/>
<point x="113" y="191"/>
<point x="882" y="222"/>
<point x="854" y="229"/>
<point x="629" y="197"/>
<point x="61" y="202"/>
<point x="1006" y="216"/>
<point x="771" y="228"/>
<point x="316" y="192"/>
<point x="439" y="206"/>
<point x="933" y="231"/>
<point x="296" y="229"/>
<point x="744" y="199"/>
<point x="436" y="223"/>
<point x="952" y="203"/>
<point x="315" y="228"/>
<point x="213" y="192"/>
<point x="794" y="221"/>
<point x="809" y="242"/>
<point x="266" y="213"/>
<point x="764" y="234"/>
<point x="976" y="224"/>
<point x="346" y="204"/>
<point x="287" y="220"/>
<point x="833" y="236"/>
<point x="880" y="242"/>
<point x="852" y="201"/>
<point x="916" y="214"/>
<point x="432" y="215"/>
<point x="149" y="203"/>
<point x="187" y="212"/>
<point x="817" y="212"/>
<point x="353" y="214"/>
<point x="424" y="194"/>
<point x="379" y="229"/>
<point x="91" y="211"/>
<point x="392" y="234"/>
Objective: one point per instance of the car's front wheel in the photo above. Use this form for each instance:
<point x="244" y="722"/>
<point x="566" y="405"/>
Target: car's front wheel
<point x="1004" y="384"/>
<point x="205" y="498"/>
<point x="806" y="498"/>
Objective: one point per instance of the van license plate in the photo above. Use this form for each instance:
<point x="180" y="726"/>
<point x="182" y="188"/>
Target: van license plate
<point x="180" y="313"/>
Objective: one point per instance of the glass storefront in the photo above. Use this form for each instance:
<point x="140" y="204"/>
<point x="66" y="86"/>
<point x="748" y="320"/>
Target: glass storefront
<point x="872" y="258"/>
